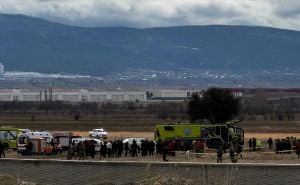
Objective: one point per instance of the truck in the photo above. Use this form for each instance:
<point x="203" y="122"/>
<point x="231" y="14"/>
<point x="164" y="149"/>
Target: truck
<point x="213" y="135"/>
<point x="63" y="138"/>
<point x="9" y="136"/>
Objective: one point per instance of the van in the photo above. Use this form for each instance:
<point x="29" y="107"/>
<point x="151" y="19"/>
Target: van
<point x="97" y="142"/>
<point x="137" y="139"/>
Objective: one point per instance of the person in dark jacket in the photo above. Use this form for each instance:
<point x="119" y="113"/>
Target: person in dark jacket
<point x="270" y="142"/>
<point x="134" y="148"/>
<point x="92" y="149"/>
<point x="165" y="152"/>
<point x="126" y="148"/>
<point x="103" y="150"/>
<point x="250" y="142"/>
<point x="298" y="148"/>
<point x="2" y="150"/>
<point x="220" y="154"/>
<point x="29" y="147"/>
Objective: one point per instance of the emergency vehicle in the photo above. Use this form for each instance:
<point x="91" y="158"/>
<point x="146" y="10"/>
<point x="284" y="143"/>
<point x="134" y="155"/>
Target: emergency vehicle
<point x="8" y="136"/>
<point x="213" y="135"/>
<point x="25" y="135"/>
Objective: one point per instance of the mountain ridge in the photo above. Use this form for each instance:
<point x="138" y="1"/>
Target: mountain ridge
<point x="34" y="44"/>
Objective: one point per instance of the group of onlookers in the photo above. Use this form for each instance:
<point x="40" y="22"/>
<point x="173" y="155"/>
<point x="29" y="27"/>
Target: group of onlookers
<point x="109" y="149"/>
<point x="287" y="145"/>
<point x="254" y="144"/>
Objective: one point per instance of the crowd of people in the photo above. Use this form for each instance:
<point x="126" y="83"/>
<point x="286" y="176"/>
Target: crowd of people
<point x="287" y="145"/>
<point x="116" y="148"/>
<point x="108" y="149"/>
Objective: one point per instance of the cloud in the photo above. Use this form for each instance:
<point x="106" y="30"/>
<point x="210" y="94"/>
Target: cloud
<point x="153" y="13"/>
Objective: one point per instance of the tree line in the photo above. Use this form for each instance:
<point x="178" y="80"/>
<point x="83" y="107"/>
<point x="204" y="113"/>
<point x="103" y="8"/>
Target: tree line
<point x="214" y="105"/>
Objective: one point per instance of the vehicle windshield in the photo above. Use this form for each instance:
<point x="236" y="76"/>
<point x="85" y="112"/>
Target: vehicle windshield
<point x="98" y="130"/>
<point x="22" y="140"/>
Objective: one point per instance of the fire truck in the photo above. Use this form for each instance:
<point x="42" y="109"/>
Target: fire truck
<point x="213" y="135"/>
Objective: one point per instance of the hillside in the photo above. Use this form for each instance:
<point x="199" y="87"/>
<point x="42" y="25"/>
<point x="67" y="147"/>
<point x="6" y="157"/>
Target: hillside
<point x="31" y="44"/>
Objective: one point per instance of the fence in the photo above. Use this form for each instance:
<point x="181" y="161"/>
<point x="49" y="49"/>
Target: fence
<point x="58" y="172"/>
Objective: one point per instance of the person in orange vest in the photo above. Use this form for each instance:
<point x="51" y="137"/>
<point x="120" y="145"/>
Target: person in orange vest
<point x="48" y="149"/>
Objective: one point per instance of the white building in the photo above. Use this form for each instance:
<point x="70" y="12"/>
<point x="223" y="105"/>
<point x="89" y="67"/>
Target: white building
<point x="169" y="94"/>
<point x="77" y="95"/>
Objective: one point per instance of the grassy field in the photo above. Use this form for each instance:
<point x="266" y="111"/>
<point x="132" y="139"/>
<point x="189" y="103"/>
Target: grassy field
<point x="127" y="123"/>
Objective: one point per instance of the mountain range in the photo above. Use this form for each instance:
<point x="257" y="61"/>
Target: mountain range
<point x="33" y="44"/>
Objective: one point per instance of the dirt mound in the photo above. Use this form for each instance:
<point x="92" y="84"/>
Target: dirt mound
<point x="9" y="180"/>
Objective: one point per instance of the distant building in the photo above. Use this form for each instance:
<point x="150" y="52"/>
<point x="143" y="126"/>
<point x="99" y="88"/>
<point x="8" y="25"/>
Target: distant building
<point x="169" y="94"/>
<point x="69" y="95"/>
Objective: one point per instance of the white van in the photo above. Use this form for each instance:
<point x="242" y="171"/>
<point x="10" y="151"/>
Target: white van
<point x="97" y="142"/>
<point x="137" y="139"/>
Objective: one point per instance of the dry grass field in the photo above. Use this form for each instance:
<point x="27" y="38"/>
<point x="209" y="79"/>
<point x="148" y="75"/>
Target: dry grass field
<point x="123" y="126"/>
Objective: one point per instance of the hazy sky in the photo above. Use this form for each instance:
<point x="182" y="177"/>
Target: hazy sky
<point x="153" y="13"/>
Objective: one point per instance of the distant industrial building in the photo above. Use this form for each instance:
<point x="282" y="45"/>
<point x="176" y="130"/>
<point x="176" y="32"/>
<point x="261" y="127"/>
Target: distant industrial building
<point x="168" y="94"/>
<point x="84" y="95"/>
<point x="77" y="95"/>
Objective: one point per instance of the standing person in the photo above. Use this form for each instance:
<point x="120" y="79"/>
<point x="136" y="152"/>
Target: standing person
<point x="220" y="154"/>
<point x="92" y="149"/>
<point x="159" y="147"/>
<point x="298" y="148"/>
<point x="258" y="144"/>
<point x="126" y="148"/>
<point x="270" y="142"/>
<point x="120" y="148"/>
<point x="71" y="151"/>
<point x="29" y="147"/>
<point x="134" y="148"/>
<point x="254" y="144"/>
<point x="144" y="148"/>
<point x="250" y="142"/>
<point x="151" y="148"/>
<point x="2" y="149"/>
<point x="81" y="150"/>
<point x="165" y="152"/>
<point x="232" y="153"/>
<point x="103" y="149"/>
<point x="109" y="148"/>
<point x="114" y="149"/>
